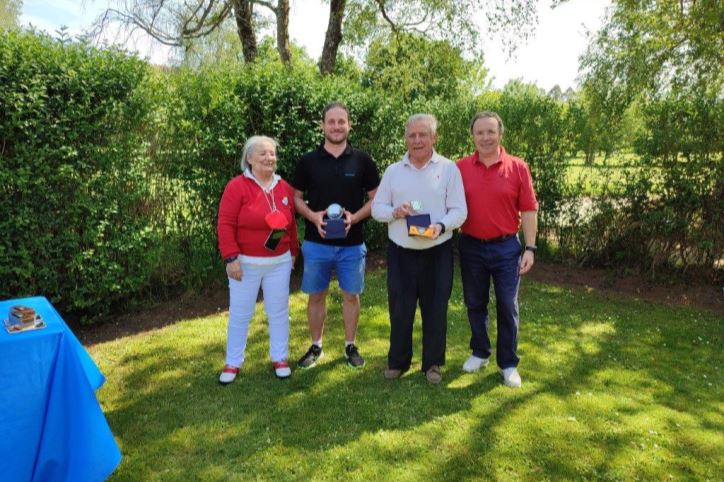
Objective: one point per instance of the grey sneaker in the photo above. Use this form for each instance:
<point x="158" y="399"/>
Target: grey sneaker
<point x="311" y="357"/>
<point x="354" y="359"/>
<point x="393" y="373"/>
<point x="433" y="375"/>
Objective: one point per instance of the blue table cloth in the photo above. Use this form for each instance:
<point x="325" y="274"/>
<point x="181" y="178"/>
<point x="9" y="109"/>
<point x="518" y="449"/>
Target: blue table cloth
<point x="51" y="425"/>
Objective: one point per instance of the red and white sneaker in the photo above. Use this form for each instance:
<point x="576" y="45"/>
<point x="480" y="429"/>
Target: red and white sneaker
<point x="281" y="369"/>
<point x="228" y="375"/>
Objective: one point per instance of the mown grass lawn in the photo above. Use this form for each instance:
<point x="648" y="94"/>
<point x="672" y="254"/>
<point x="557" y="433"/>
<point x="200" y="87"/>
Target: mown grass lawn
<point x="613" y="389"/>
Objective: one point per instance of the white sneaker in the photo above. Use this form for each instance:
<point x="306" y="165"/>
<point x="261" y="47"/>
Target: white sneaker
<point x="281" y="369"/>
<point x="475" y="363"/>
<point x="511" y="378"/>
<point x="228" y="375"/>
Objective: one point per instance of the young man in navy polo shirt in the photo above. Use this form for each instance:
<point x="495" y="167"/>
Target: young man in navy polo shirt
<point x="500" y="198"/>
<point x="334" y="173"/>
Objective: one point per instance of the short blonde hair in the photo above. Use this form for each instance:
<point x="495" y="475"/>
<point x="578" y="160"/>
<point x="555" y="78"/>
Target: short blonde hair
<point x="249" y="148"/>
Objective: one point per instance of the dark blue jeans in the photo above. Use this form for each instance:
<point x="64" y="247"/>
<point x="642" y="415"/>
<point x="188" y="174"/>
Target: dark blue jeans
<point x="479" y="262"/>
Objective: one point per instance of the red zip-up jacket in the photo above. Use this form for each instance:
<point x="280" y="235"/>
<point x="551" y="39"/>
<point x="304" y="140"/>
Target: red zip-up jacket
<point x="241" y="227"/>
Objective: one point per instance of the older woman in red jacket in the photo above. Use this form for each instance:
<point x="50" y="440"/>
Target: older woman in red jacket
<point x="258" y="241"/>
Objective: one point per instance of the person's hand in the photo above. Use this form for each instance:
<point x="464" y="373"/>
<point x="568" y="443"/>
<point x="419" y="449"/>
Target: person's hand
<point x="436" y="230"/>
<point x="294" y="261"/>
<point x="348" y="221"/>
<point x="233" y="270"/>
<point x="403" y="210"/>
<point x="527" y="262"/>
<point x="318" y="221"/>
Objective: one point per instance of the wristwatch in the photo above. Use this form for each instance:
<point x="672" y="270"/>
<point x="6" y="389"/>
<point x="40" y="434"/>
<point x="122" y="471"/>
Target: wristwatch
<point x="442" y="231"/>
<point x="531" y="248"/>
<point x="229" y="260"/>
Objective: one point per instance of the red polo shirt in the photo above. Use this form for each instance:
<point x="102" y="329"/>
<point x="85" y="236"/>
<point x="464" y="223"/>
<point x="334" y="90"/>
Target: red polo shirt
<point x="496" y="195"/>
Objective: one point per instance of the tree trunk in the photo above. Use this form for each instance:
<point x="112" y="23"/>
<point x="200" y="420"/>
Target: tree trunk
<point x="282" y="14"/>
<point x="333" y="37"/>
<point x="245" y="28"/>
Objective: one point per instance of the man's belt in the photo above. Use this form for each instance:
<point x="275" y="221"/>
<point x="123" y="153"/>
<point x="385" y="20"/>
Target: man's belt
<point x="493" y="240"/>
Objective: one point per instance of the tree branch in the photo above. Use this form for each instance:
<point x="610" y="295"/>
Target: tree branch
<point x="383" y="11"/>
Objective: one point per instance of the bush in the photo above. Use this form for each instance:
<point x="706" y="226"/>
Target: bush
<point x="666" y="216"/>
<point x="75" y="225"/>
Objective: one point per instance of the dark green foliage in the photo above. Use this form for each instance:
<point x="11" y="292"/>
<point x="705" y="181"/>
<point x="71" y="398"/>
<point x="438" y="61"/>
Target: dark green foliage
<point x="73" y="181"/>
<point x="395" y="62"/>
<point x="111" y="172"/>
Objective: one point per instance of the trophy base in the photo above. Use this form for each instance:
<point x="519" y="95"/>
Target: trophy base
<point x="335" y="229"/>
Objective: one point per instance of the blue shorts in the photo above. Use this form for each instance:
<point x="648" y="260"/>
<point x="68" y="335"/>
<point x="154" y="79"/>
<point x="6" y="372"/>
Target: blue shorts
<point x="347" y="261"/>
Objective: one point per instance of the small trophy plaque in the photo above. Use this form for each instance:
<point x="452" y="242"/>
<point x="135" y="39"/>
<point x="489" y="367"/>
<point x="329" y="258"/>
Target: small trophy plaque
<point x="418" y="224"/>
<point x="335" y="222"/>
<point x="22" y="318"/>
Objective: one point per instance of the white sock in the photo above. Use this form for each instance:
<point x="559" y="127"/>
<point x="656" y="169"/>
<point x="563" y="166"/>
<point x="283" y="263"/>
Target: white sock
<point x="317" y="343"/>
<point x="348" y="343"/>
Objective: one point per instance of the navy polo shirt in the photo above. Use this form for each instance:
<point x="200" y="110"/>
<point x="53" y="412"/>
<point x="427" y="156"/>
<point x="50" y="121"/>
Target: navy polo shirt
<point x="344" y="180"/>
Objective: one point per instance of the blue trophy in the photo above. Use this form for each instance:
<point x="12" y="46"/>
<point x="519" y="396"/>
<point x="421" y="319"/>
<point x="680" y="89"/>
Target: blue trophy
<point x="335" y="222"/>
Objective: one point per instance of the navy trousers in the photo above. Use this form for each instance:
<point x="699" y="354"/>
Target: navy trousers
<point x="423" y="276"/>
<point x="479" y="263"/>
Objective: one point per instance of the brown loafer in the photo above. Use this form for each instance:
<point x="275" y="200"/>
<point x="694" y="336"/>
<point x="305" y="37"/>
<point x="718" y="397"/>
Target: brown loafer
<point x="393" y="373"/>
<point x="433" y="375"/>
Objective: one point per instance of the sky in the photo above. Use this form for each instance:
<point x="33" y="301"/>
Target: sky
<point x="549" y="58"/>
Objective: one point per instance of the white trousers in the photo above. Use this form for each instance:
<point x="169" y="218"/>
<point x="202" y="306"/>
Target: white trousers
<point x="274" y="282"/>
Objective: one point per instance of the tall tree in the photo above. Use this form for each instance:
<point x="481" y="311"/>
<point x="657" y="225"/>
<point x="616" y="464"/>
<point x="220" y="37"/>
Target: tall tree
<point x="243" y="15"/>
<point x="355" y="23"/>
<point x="394" y="63"/>
<point x="363" y="22"/>
<point x="333" y="37"/>
<point x="178" y="23"/>
<point x="451" y="20"/>
<point x="9" y="13"/>
<point x="649" y="47"/>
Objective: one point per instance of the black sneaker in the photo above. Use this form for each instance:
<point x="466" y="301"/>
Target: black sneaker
<point x="351" y="353"/>
<point x="311" y="357"/>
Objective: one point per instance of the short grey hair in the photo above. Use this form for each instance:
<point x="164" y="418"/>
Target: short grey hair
<point x="488" y="114"/>
<point x="249" y="148"/>
<point x="429" y="119"/>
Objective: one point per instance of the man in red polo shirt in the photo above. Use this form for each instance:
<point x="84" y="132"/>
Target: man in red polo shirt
<point x="500" y="198"/>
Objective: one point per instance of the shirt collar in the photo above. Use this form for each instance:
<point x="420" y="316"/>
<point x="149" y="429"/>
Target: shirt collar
<point x="275" y="179"/>
<point x="347" y="150"/>
<point x="435" y="159"/>
<point x="502" y="156"/>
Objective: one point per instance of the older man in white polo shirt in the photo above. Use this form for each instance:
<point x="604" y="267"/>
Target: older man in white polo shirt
<point x="419" y="268"/>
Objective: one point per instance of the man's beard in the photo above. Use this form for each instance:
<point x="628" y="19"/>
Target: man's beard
<point x="337" y="142"/>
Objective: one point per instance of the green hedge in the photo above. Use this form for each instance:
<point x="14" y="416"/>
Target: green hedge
<point x="74" y="203"/>
<point x="112" y="170"/>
